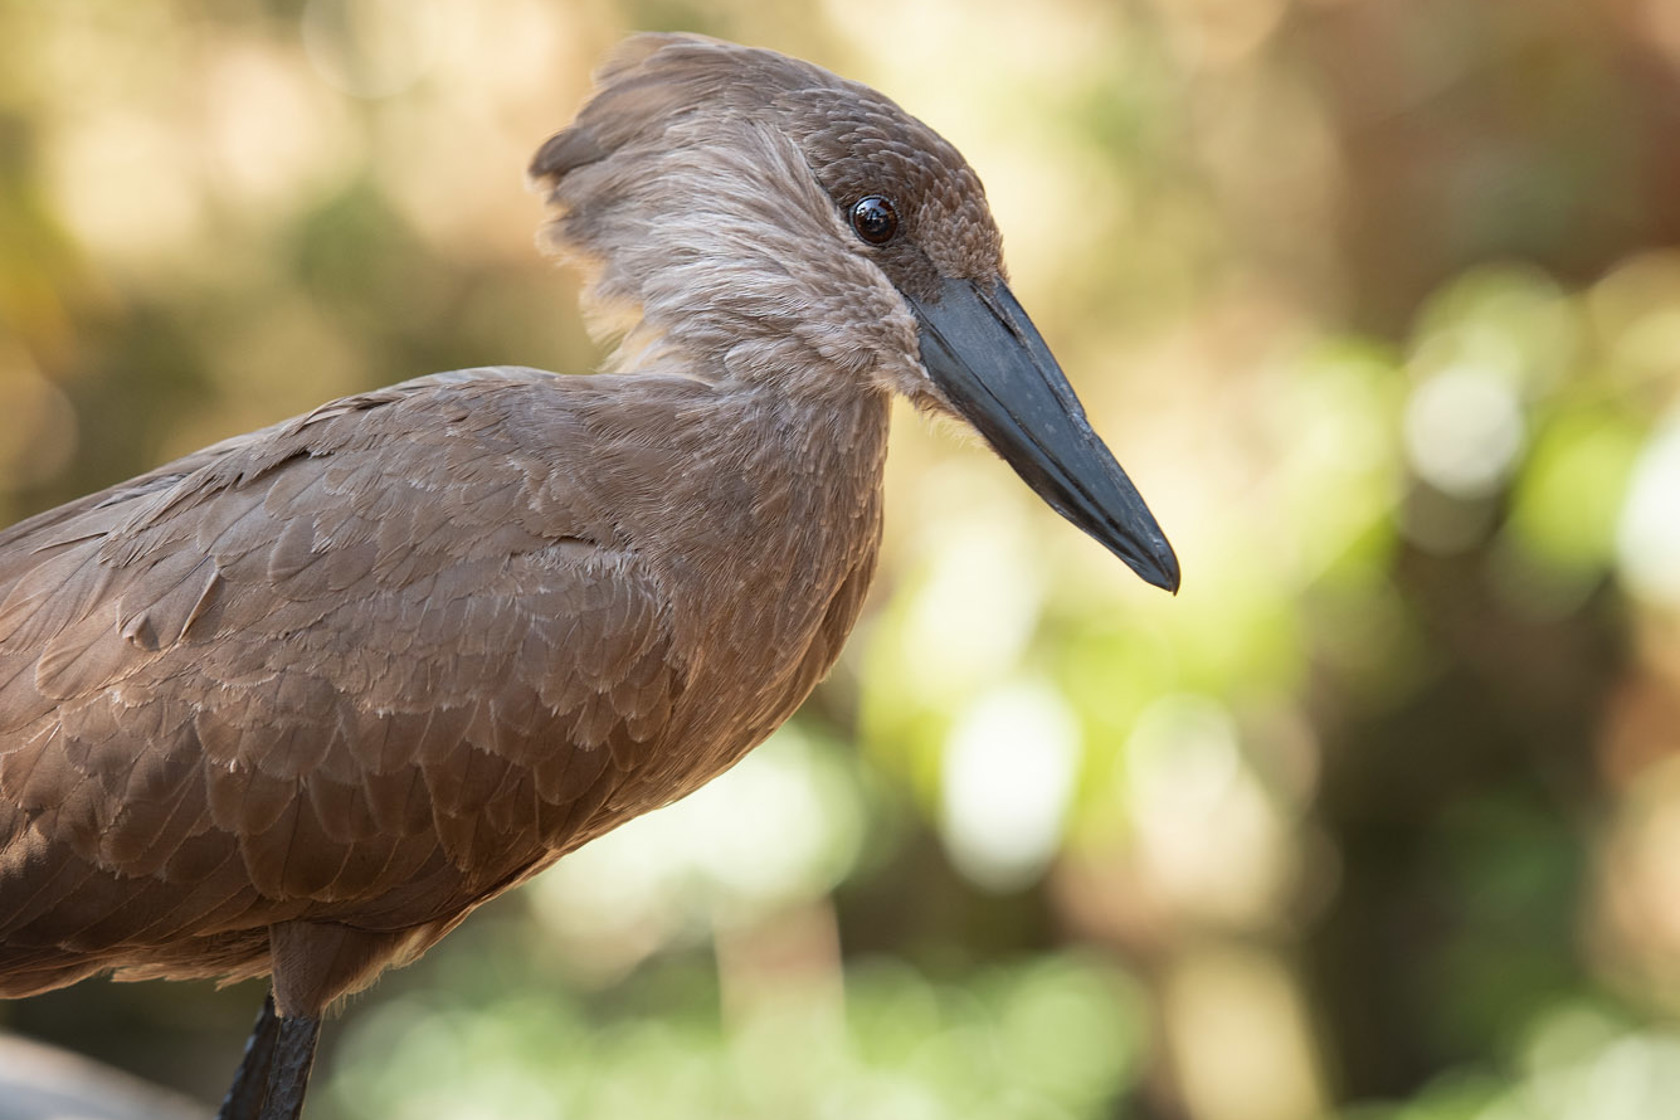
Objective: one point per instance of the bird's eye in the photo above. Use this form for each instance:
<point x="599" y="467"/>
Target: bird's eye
<point x="874" y="219"/>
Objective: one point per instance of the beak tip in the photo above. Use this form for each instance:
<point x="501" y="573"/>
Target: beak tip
<point x="1158" y="566"/>
<point x="1166" y="577"/>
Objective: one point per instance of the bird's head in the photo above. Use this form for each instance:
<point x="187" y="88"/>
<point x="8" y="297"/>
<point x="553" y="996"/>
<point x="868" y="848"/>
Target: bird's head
<point x="745" y="215"/>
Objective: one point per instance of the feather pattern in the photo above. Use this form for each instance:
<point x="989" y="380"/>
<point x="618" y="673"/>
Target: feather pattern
<point x="373" y="665"/>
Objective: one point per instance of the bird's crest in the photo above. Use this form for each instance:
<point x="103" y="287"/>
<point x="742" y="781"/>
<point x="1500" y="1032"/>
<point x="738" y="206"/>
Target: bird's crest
<point x="716" y="181"/>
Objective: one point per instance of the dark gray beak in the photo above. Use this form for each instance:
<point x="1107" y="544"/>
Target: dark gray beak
<point x="988" y="359"/>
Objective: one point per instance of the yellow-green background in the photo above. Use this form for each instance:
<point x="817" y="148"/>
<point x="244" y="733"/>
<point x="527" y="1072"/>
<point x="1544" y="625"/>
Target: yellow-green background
<point x="1378" y="819"/>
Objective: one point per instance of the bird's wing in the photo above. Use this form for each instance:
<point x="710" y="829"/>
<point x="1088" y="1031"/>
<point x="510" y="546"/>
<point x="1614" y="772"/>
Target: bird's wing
<point x="357" y="666"/>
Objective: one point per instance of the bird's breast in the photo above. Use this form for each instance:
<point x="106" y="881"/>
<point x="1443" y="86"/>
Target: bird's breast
<point x="768" y="571"/>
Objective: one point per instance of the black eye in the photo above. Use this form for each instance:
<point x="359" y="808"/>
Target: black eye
<point x="874" y="219"/>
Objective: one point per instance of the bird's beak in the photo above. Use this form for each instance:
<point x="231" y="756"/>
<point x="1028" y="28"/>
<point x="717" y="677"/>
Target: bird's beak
<point x="988" y="359"/>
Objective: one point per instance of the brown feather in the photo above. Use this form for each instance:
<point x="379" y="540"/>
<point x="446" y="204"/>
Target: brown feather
<point x="300" y="701"/>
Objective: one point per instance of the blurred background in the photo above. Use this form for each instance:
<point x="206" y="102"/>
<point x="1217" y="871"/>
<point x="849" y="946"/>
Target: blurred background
<point x="1379" y="302"/>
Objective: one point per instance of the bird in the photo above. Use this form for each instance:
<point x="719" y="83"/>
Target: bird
<point x="294" y="705"/>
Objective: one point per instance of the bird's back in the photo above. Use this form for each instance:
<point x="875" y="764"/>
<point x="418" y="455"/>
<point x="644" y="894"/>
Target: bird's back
<point x="375" y="664"/>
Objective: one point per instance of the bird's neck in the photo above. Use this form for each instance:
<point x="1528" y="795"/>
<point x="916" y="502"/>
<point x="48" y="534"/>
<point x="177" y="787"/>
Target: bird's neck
<point x="813" y="449"/>
<point x="786" y="489"/>
<point x="785" y="371"/>
<point x="771" y="554"/>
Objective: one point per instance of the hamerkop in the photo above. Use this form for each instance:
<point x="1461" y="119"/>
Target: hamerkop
<point x="296" y="704"/>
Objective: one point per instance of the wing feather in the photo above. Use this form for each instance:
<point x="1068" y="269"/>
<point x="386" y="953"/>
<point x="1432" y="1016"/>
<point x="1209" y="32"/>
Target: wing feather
<point x="368" y="664"/>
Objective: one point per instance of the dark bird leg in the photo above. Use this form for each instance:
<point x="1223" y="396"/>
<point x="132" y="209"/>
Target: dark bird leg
<point x="250" y="1081"/>
<point x="274" y="1073"/>
<point x="294" y="1054"/>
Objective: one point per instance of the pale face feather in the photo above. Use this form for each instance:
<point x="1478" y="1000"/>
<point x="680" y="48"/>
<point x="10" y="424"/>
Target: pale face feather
<point x="704" y="189"/>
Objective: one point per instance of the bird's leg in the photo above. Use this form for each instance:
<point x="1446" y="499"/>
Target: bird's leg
<point x="250" y="1081"/>
<point x="274" y="1073"/>
<point x="294" y="1054"/>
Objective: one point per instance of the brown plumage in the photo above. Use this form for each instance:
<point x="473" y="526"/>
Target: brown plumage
<point x="300" y="701"/>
